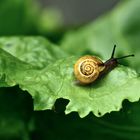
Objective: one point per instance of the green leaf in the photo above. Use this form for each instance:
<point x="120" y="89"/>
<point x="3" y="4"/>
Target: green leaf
<point x="37" y="51"/>
<point x="28" y="17"/>
<point x="120" y="27"/>
<point x="18" y="17"/>
<point x="50" y="20"/>
<point x="56" y="80"/>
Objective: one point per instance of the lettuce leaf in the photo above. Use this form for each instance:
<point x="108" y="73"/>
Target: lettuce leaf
<point x="55" y="80"/>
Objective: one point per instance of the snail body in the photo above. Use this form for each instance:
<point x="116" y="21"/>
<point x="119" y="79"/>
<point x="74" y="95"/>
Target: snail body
<point x="89" y="68"/>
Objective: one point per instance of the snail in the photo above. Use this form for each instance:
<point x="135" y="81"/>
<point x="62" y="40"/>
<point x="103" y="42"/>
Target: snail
<point x="89" y="68"/>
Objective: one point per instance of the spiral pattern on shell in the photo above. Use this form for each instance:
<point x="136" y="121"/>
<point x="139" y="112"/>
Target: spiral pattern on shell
<point x="87" y="69"/>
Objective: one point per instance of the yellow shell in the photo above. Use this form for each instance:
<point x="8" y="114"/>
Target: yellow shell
<point x="88" y="68"/>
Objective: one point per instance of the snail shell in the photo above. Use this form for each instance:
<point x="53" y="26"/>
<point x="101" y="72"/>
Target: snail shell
<point x="88" y="68"/>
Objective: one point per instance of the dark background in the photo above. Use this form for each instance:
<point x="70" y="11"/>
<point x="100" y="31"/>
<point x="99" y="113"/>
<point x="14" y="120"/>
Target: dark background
<point x="80" y="11"/>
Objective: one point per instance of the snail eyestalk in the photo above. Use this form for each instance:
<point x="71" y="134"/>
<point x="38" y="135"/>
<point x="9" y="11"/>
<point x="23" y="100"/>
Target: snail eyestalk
<point x="132" y="55"/>
<point x="113" y="62"/>
<point x="113" y="52"/>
